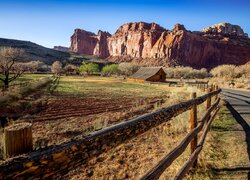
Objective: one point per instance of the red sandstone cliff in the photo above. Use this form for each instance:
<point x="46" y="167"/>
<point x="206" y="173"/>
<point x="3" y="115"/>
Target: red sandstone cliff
<point x="151" y="44"/>
<point x="85" y="42"/>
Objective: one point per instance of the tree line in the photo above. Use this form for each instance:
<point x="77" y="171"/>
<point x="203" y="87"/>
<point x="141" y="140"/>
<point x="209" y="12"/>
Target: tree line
<point x="11" y="68"/>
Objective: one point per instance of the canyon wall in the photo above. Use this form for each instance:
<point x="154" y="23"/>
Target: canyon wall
<point x="150" y="44"/>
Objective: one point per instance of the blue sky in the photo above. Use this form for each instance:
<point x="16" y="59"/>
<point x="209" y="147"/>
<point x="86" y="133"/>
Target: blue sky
<point x="52" y="22"/>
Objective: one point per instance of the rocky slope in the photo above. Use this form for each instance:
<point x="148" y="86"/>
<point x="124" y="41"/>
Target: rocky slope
<point x="151" y="44"/>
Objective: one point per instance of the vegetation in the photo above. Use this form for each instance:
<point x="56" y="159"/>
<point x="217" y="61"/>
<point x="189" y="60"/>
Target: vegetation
<point x="231" y="71"/>
<point x="186" y="73"/>
<point x="228" y="74"/>
<point x="127" y="69"/>
<point x="109" y="70"/>
<point x="89" y="68"/>
<point x="71" y="69"/>
<point x="57" y="68"/>
<point x="9" y="70"/>
<point x="223" y="150"/>
<point x="34" y="51"/>
<point x="23" y="90"/>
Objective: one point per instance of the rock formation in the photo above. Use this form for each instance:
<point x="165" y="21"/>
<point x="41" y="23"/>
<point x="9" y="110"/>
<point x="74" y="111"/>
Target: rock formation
<point x="225" y="29"/>
<point x="151" y="44"/>
<point x="85" y="42"/>
<point x="61" y="48"/>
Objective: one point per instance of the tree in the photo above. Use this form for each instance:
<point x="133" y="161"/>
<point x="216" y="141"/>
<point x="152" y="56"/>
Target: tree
<point x="224" y="71"/>
<point x="110" y="70"/>
<point x="71" y="69"/>
<point x="56" y="67"/>
<point x="128" y="69"/>
<point x="8" y="65"/>
<point x="89" y="68"/>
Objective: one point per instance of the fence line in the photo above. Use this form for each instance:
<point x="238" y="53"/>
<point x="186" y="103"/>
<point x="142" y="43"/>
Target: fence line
<point x="176" y="152"/>
<point x="70" y="154"/>
<point x="195" y="154"/>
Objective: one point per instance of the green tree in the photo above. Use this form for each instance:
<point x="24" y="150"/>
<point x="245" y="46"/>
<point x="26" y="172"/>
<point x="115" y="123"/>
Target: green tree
<point x="89" y="68"/>
<point x="112" y="69"/>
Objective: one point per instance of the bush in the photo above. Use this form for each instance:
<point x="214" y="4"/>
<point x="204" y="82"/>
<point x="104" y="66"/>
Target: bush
<point x="127" y="69"/>
<point x="56" y="67"/>
<point x="225" y="71"/>
<point x="109" y="70"/>
<point x="186" y="73"/>
<point x="71" y="69"/>
<point x="89" y="68"/>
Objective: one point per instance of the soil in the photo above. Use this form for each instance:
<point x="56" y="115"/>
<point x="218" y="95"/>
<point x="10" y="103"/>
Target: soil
<point x="65" y="118"/>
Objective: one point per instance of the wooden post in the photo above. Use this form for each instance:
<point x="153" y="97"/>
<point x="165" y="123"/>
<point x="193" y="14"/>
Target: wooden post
<point x="208" y="99"/>
<point x="193" y="124"/>
<point x="17" y="139"/>
<point x="204" y="87"/>
<point x="216" y="88"/>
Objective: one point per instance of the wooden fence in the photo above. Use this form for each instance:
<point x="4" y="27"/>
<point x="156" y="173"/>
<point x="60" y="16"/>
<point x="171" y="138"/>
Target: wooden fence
<point x="59" y="159"/>
<point x="191" y="137"/>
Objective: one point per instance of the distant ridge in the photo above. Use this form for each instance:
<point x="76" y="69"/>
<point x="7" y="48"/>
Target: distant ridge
<point x="34" y="51"/>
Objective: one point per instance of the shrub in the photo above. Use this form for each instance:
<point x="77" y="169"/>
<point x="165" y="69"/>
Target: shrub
<point x="89" y="68"/>
<point x="56" y="67"/>
<point x="112" y="69"/>
<point x="127" y="69"/>
<point x="71" y="69"/>
<point x="186" y="73"/>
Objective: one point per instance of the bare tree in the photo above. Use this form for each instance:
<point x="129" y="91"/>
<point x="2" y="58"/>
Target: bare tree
<point x="57" y="67"/>
<point x="8" y="69"/>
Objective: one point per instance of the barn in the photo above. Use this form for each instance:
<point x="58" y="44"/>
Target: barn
<point x="153" y="74"/>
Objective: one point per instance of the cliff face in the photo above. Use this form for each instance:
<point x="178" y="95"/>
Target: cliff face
<point x="134" y="39"/>
<point x="151" y="44"/>
<point x="85" y="42"/>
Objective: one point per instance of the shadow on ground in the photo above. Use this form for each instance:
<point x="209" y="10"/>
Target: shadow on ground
<point x="246" y="128"/>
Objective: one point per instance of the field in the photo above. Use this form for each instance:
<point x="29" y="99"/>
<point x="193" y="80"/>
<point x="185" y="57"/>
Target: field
<point x="75" y="106"/>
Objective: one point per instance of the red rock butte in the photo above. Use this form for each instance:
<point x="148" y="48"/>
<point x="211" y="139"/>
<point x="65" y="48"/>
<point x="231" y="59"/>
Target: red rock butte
<point x="150" y="44"/>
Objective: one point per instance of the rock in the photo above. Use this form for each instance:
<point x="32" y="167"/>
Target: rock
<point x="61" y="48"/>
<point x="101" y="48"/>
<point x="85" y="42"/>
<point x="150" y="44"/>
<point x="134" y="39"/>
<point x="225" y="29"/>
<point x="179" y="27"/>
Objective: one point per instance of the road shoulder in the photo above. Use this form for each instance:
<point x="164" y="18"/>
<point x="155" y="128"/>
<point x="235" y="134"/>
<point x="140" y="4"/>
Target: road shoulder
<point x="230" y="154"/>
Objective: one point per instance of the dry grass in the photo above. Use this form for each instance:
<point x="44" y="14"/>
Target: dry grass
<point x="133" y="158"/>
<point x="225" y="147"/>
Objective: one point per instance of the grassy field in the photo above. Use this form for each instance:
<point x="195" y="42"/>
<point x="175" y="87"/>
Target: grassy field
<point x="76" y="106"/>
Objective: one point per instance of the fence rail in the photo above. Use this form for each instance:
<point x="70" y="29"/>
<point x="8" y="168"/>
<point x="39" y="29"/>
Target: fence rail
<point x="177" y="151"/>
<point x="68" y="155"/>
<point x="195" y="154"/>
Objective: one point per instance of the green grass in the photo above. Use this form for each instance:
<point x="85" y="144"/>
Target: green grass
<point x="14" y="94"/>
<point x="106" y="86"/>
<point x="26" y="78"/>
<point x="225" y="147"/>
<point x="224" y="121"/>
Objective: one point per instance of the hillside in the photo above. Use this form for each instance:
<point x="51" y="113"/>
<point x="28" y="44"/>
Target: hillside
<point x="34" y="51"/>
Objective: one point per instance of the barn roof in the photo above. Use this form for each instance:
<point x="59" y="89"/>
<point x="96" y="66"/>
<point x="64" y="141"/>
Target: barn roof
<point x="145" y="72"/>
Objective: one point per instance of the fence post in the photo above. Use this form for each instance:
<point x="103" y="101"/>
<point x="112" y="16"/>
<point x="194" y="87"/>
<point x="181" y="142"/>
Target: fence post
<point x="17" y="139"/>
<point x="216" y="88"/>
<point x="209" y="98"/>
<point x="193" y="124"/>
